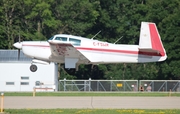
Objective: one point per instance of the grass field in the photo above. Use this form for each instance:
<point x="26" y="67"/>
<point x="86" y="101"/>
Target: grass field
<point x="91" y="111"/>
<point x="138" y="94"/>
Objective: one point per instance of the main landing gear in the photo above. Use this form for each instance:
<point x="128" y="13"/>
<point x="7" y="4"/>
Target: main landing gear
<point x="33" y="68"/>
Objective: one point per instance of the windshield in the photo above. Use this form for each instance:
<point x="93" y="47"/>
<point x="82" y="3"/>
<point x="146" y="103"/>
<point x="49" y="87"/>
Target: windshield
<point x="51" y="38"/>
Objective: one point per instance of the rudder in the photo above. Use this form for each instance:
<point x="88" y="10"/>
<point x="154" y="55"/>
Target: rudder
<point x="150" y="40"/>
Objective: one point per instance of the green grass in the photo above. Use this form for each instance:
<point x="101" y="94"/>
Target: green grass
<point x="138" y="94"/>
<point x="91" y="111"/>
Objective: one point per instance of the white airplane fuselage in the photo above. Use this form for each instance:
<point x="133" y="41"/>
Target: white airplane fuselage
<point x="75" y="50"/>
<point x="98" y="52"/>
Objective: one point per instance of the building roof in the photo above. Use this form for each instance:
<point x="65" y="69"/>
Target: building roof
<point x="12" y="56"/>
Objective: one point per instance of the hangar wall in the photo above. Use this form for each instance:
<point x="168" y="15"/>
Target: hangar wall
<point x="15" y="74"/>
<point x="18" y="77"/>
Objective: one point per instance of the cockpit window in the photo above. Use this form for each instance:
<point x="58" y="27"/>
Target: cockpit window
<point x="51" y="38"/>
<point x="75" y="42"/>
<point x="61" y="38"/>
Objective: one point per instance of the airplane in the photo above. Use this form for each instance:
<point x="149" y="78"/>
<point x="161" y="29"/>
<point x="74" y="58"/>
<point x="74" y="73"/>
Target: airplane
<point x="75" y="50"/>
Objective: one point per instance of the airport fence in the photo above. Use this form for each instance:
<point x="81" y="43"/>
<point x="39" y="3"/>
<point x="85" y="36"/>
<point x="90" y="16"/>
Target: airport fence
<point x="161" y="85"/>
<point x="97" y="85"/>
<point x="119" y="85"/>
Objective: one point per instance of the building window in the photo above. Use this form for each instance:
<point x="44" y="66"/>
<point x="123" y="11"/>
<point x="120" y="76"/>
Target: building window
<point x="24" y="83"/>
<point x="24" y="78"/>
<point x="9" y="83"/>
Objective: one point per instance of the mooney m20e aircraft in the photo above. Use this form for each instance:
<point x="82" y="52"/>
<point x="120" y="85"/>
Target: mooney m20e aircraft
<point x="75" y="50"/>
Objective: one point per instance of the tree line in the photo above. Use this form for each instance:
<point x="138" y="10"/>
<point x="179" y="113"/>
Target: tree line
<point x="41" y="19"/>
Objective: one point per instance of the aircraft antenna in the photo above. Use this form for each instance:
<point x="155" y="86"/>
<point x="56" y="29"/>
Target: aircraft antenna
<point x="118" y="39"/>
<point x="95" y="35"/>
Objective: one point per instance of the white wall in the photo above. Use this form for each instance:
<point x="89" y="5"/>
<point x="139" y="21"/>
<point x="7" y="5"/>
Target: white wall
<point x="12" y="72"/>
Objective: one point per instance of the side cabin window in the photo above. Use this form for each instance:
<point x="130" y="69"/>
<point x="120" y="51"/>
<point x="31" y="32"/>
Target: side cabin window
<point x="61" y="38"/>
<point x="75" y="42"/>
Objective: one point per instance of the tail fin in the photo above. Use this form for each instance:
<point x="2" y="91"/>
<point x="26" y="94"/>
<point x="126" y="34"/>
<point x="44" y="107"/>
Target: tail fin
<point x="150" y="40"/>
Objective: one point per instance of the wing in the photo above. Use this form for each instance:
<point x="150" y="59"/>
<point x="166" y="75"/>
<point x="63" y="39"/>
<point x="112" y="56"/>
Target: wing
<point x="66" y="53"/>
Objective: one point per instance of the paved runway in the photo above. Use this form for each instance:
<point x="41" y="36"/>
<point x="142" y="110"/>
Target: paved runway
<point x="92" y="102"/>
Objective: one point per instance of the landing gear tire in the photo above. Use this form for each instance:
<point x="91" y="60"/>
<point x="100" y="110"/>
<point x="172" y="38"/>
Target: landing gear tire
<point x="33" y="68"/>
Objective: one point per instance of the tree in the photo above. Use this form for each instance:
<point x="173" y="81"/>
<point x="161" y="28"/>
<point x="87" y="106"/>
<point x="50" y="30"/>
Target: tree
<point x="39" y="20"/>
<point x="75" y="16"/>
<point x="166" y="15"/>
<point x="9" y="21"/>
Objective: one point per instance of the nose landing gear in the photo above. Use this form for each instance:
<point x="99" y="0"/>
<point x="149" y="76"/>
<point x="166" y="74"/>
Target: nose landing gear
<point x="33" y="68"/>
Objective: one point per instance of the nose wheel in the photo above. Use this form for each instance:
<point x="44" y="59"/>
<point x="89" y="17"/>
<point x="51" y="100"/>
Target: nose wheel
<point x="33" y="68"/>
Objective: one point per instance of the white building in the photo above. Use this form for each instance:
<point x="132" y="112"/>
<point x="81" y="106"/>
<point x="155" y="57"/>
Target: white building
<point x="15" y="74"/>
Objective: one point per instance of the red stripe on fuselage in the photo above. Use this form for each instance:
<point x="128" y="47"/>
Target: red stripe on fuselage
<point x="35" y="45"/>
<point x="107" y="50"/>
<point x="104" y="50"/>
<point x="120" y="51"/>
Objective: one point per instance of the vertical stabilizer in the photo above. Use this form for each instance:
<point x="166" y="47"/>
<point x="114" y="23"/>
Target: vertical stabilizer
<point x="150" y="40"/>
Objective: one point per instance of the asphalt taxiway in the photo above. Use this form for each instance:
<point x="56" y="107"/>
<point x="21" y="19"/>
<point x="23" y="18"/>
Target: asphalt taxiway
<point x="91" y="102"/>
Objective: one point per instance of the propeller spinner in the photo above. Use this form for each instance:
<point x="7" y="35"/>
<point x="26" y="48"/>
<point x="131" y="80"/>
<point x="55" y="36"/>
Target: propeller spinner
<point x="18" y="45"/>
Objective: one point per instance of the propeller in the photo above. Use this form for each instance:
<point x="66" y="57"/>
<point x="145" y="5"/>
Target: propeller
<point x="18" y="45"/>
<point x="19" y="49"/>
